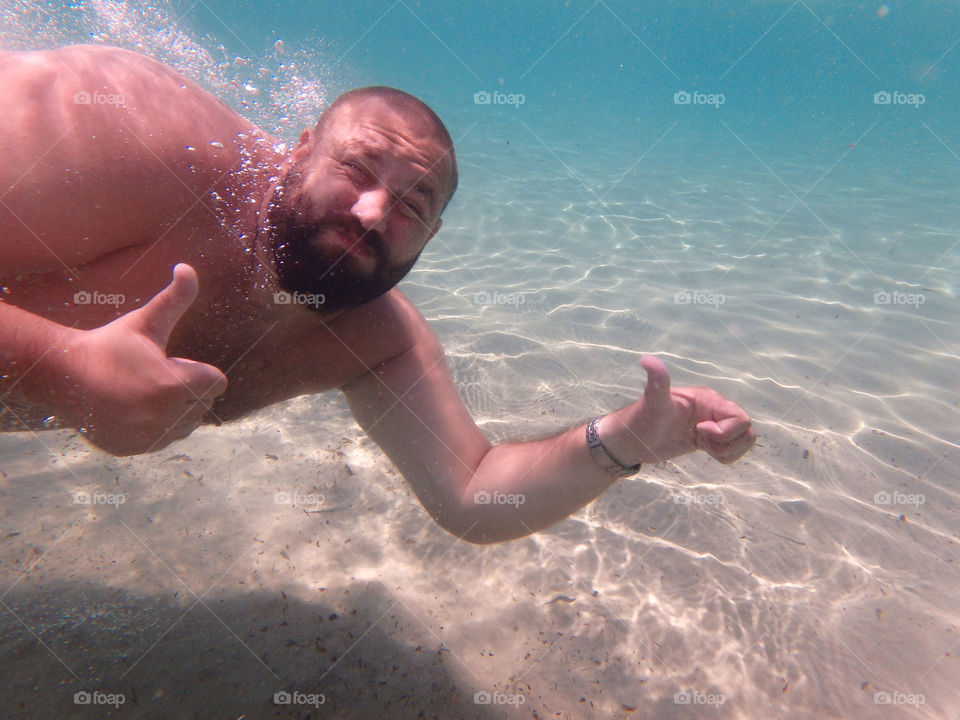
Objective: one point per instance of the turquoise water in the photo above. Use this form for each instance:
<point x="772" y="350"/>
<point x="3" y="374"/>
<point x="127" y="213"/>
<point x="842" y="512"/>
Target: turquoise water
<point x="793" y="245"/>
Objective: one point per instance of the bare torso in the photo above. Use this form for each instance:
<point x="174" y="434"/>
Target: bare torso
<point x="116" y="194"/>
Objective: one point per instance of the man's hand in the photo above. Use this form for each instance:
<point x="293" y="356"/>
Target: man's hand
<point x="667" y="423"/>
<point x="129" y="397"/>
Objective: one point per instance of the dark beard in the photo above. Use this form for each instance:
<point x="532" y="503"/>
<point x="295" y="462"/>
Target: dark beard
<point x="305" y="266"/>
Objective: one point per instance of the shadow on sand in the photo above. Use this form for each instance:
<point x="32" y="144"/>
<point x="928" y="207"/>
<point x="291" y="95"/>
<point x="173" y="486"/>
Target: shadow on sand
<point x="223" y="659"/>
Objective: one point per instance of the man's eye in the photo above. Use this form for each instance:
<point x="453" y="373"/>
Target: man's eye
<point x="353" y="166"/>
<point x="412" y="208"/>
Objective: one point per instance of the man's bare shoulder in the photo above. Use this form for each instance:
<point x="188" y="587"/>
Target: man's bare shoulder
<point x="82" y="69"/>
<point x="164" y="109"/>
<point x="88" y="63"/>
<point x="83" y="57"/>
<point x="382" y="330"/>
<point x="91" y="129"/>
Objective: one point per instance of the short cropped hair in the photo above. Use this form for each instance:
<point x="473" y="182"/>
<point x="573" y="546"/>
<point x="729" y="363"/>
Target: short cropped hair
<point x="406" y="102"/>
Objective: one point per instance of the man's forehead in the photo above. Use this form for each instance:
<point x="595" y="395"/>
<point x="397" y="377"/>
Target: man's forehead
<point x="375" y="123"/>
<point x="375" y="126"/>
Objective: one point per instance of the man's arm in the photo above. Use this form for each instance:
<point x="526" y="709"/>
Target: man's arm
<point x="116" y="381"/>
<point x="32" y="362"/>
<point x="411" y="409"/>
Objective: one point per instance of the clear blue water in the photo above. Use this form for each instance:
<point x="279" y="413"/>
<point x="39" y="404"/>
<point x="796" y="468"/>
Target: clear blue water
<point x="802" y="582"/>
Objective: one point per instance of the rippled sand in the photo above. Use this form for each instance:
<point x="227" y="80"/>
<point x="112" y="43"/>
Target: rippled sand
<point x="800" y="582"/>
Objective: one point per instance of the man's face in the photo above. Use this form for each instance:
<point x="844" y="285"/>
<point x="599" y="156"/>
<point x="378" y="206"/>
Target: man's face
<point x="360" y="204"/>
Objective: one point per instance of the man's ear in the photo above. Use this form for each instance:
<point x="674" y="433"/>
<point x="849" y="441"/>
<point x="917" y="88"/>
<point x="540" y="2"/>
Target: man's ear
<point x="308" y="139"/>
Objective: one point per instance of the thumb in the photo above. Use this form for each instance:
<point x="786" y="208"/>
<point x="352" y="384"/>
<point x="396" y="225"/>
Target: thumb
<point x="158" y="317"/>
<point x="656" y="394"/>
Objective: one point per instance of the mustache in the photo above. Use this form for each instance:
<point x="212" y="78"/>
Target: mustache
<point x="351" y="228"/>
<point x="290" y="227"/>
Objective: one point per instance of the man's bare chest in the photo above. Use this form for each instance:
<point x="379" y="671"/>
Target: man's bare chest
<point x="269" y="351"/>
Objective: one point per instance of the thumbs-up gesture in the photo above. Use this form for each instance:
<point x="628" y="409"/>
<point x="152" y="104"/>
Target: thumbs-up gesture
<point x="131" y="397"/>
<point x="666" y="423"/>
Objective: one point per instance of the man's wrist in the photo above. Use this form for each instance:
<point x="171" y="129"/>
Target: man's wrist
<point x="38" y="363"/>
<point x="602" y="454"/>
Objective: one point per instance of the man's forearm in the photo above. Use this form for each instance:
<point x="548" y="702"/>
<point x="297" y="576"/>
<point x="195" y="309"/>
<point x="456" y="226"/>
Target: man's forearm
<point x="520" y="488"/>
<point x="32" y="363"/>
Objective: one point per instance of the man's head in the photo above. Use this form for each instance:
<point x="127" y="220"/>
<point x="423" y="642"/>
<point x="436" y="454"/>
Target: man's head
<point x="363" y="194"/>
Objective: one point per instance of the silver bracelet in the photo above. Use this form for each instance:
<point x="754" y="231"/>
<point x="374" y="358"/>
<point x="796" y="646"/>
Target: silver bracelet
<point x="602" y="457"/>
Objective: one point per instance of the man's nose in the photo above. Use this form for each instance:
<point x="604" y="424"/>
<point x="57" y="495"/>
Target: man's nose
<point x="372" y="208"/>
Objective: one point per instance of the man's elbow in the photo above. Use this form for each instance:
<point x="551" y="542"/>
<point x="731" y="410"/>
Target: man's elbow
<point x="480" y="524"/>
<point x="486" y="536"/>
